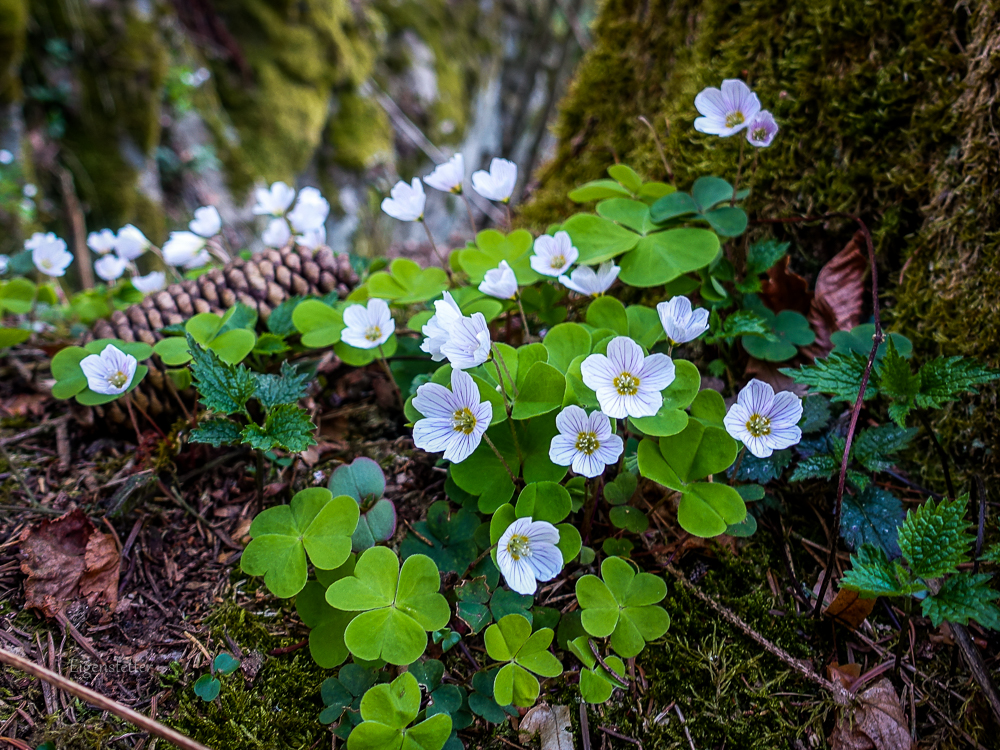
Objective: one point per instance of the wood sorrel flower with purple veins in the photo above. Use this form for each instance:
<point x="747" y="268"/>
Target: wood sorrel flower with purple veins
<point x="469" y="342"/>
<point x="454" y="420"/>
<point x="585" y="280"/>
<point x="553" y="255"/>
<point x="765" y="421"/>
<point x="438" y="328"/>
<point x="497" y="184"/>
<point x="585" y="443"/>
<point x="185" y="249"/>
<point x="500" y="282"/>
<point x="527" y="553"/>
<point x="762" y="129"/>
<point x="680" y="322"/>
<point x="153" y="281"/>
<point x="727" y="110"/>
<point x="627" y="383"/>
<point x="110" y="372"/>
<point x="448" y="177"/>
<point x="368" y="327"/>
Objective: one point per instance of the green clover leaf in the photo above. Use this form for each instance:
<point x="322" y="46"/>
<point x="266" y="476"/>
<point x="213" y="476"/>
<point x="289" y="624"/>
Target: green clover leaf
<point x="596" y="683"/>
<point x="623" y="606"/>
<point x="326" y="624"/>
<point x="316" y="523"/>
<point x="511" y="640"/>
<point x="388" y="710"/>
<point x="406" y="282"/>
<point x="397" y="605"/>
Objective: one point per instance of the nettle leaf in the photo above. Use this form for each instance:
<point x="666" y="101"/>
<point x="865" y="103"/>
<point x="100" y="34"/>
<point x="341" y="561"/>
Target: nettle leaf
<point x="739" y="323"/>
<point x="315" y="523"/>
<point x="319" y="323"/>
<point x="859" y="340"/>
<point x="839" y="376"/>
<point x="223" y="388"/>
<point x="945" y="378"/>
<point x="407" y="283"/>
<point x="623" y="606"/>
<point x="898" y="382"/>
<point x="216" y="431"/>
<point x="598" y="239"/>
<point x="452" y="534"/>
<point x="596" y="683"/>
<point x="963" y="597"/>
<point x="664" y="256"/>
<point x="872" y="575"/>
<point x="493" y="247"/>
<point x="763" y="470"/>
<point x="763" y="254"/>
<point x="388" y="710"/>
<point x="510" y="640"/>
<point x="397" y="605"/>
<point x="935" y="538"/>
<point x="872" y="517"/>
<point x="815" y="413"/>
<point x="875" y="446"/>
<point x="326" y="624"/>
<point x="286" y="388"/>
<point x="286" y="426"/>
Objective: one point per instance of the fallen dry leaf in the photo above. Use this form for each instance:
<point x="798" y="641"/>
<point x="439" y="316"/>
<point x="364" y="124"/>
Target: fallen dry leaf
<point x="848" y="608"/>
<point x="839" y="297"/>
<point x="874" y="720"/>
<point x="845" y="674"/>
<point x="785" y="290"/>
<point x="552" y="725"/>
<point x="67" y="559"/>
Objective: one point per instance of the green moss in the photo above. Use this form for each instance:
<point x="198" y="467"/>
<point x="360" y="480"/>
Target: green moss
<point x="13" y="23"/>
<point x="885" y="112"/>
<point x="360" y="133"/>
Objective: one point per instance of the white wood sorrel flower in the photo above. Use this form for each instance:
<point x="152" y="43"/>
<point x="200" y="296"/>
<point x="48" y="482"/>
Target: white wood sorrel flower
<point x="109" y="372"/>
<point x="131" y="242"/>
<point x="498" y="183"/>
<point x="102" y="242"/>
<point x="527" y="553"/>
<point x="469" y="342"/>
<point x="727" y="110"/>
<point x="110" y="267"/>
<point x="584" y="280"/>
<point x="153" y="281"/>
<point x="448" y="177"/>
<point x="406" y="202"/>
<point x="762" y="129"/>
<point x="500" y="282"/>
<point x="49" y="253"/>
<point x="368" y="327"/>
<point x="277" y="233"/>
<point x="554" y="254"/>
<point x="585" y="443"/>
<point x="206" y="222"/>
<point x="274" y="201"/>
<point x="438" y="328"/>
<point x="310" y="212"/>
<point x="454" y="420"/>
<point x="765" y="421"/>
<point x="185" y="249"/>
<point x="680" y="322"/>
<point x="627" y="383"/>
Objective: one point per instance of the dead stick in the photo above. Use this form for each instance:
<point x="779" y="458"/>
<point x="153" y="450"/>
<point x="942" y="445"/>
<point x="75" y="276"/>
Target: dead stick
<point x="611" y="671"/>
<point x="96" y="699"/>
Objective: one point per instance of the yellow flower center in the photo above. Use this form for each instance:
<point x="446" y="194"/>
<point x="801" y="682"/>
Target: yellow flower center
<point x="758" y="425"/>
<point x="373" y="333"/>
<point x="626" y="384"/>
<point x="557" y="261"/>
<point x="118" y="379"/>
<point x="519" y="546"/>
<point x="733" y="119"/>
<point x="46" y="263"/>
<point x="587" y="442"/>
<point x="760" y="134"/>
<point x="464" y="421"/>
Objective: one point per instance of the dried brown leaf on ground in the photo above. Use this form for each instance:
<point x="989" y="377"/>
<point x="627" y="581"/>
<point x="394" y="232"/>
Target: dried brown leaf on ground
<point x="839" y="298"/>
<point x="849" y="609"/>
<point x="785" y="290"/>
<point x="874" y="720"/>
<point x="67" y="559"/>
<point x="551" y="723"/>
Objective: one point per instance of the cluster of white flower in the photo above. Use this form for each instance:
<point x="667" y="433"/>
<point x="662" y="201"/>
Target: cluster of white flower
<point x="734" y="108"/>
<point x="117" y="252"/>
<point x="190" y="249"/>
<point x="307" y="220"/>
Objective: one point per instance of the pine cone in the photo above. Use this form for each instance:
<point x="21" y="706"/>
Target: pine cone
<point x="263" y="282"/>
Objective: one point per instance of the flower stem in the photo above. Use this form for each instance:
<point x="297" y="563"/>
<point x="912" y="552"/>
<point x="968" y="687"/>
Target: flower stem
<point x="736" y="465"/>
<point x="388" y="371"/>
<point x="524" y="318"/>
<point x="510" y="218"/>
<point x="472" y="218"/>
<point x="496" y="354"/>
<point x="135" y="424"/>
<point x="510" y="473"/>
<point x="739" y="170"/>
<point x="259" y="479"/>
<point x="507" y="401"/>
<point x="434" y="247"/>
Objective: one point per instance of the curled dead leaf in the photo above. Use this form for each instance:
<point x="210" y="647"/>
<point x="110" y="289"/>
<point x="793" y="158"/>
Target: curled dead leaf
<point x="848" y="608"/>
<point x="874" y="720"/>
<point x="785" y="290"/>
<point x="66" y="560"/>
<point x="839" y="298"/>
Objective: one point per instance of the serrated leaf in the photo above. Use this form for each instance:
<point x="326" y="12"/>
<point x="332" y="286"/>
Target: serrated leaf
<point x="896" y="381"/>
<point x="964" y="597"/>
<point x="286" y="426"/>
<point x="944" y="378"/>
<point x="872" y="575"/>
<point x="215" y="432"/>
<point x="872" y="517"/>
<point x="222" y="388"/>
<point x="935" y="538"/>
<point x="874" y="446"/>
<point x="286" y="388"/>
<point x="839" y="376"/>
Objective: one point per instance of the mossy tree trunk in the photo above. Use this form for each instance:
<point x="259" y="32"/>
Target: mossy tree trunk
<point x="887" y="111"/>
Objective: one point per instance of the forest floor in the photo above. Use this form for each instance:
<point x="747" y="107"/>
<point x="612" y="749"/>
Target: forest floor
<point x="177" y="520"/>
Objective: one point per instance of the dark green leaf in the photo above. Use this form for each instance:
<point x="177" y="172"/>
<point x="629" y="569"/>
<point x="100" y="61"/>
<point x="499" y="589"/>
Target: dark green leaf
<point x="935" y="538"/>
<point x="839" y="376"/>
<point x="286" y="388"/>
<point x="222" y="388"/>
<point x="944" y="378"/>
<point x="964" y="597"/>
<point x="872" y="517"/>
<point x="286" y="426"/>
<point x="216" y="431"/>
<point x="873" y="575"/>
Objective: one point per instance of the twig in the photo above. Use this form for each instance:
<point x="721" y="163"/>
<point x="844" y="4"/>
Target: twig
<point x="392" y="380"/>
<point x="620" y="736"/>
<point x="96" y="699"/>
<point x="611" y="671"/>
<point x="584" y="726"/>
<point x="940" y="451"/>
<point x="659" y="147"/>
<point x="76" y="221"/>
<point x="441" y="259"/>
<point x="979" y="498"/>
<point x="36" y="430"/>
<point x="687" y="732"/>
<point x="980" y="672"/>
